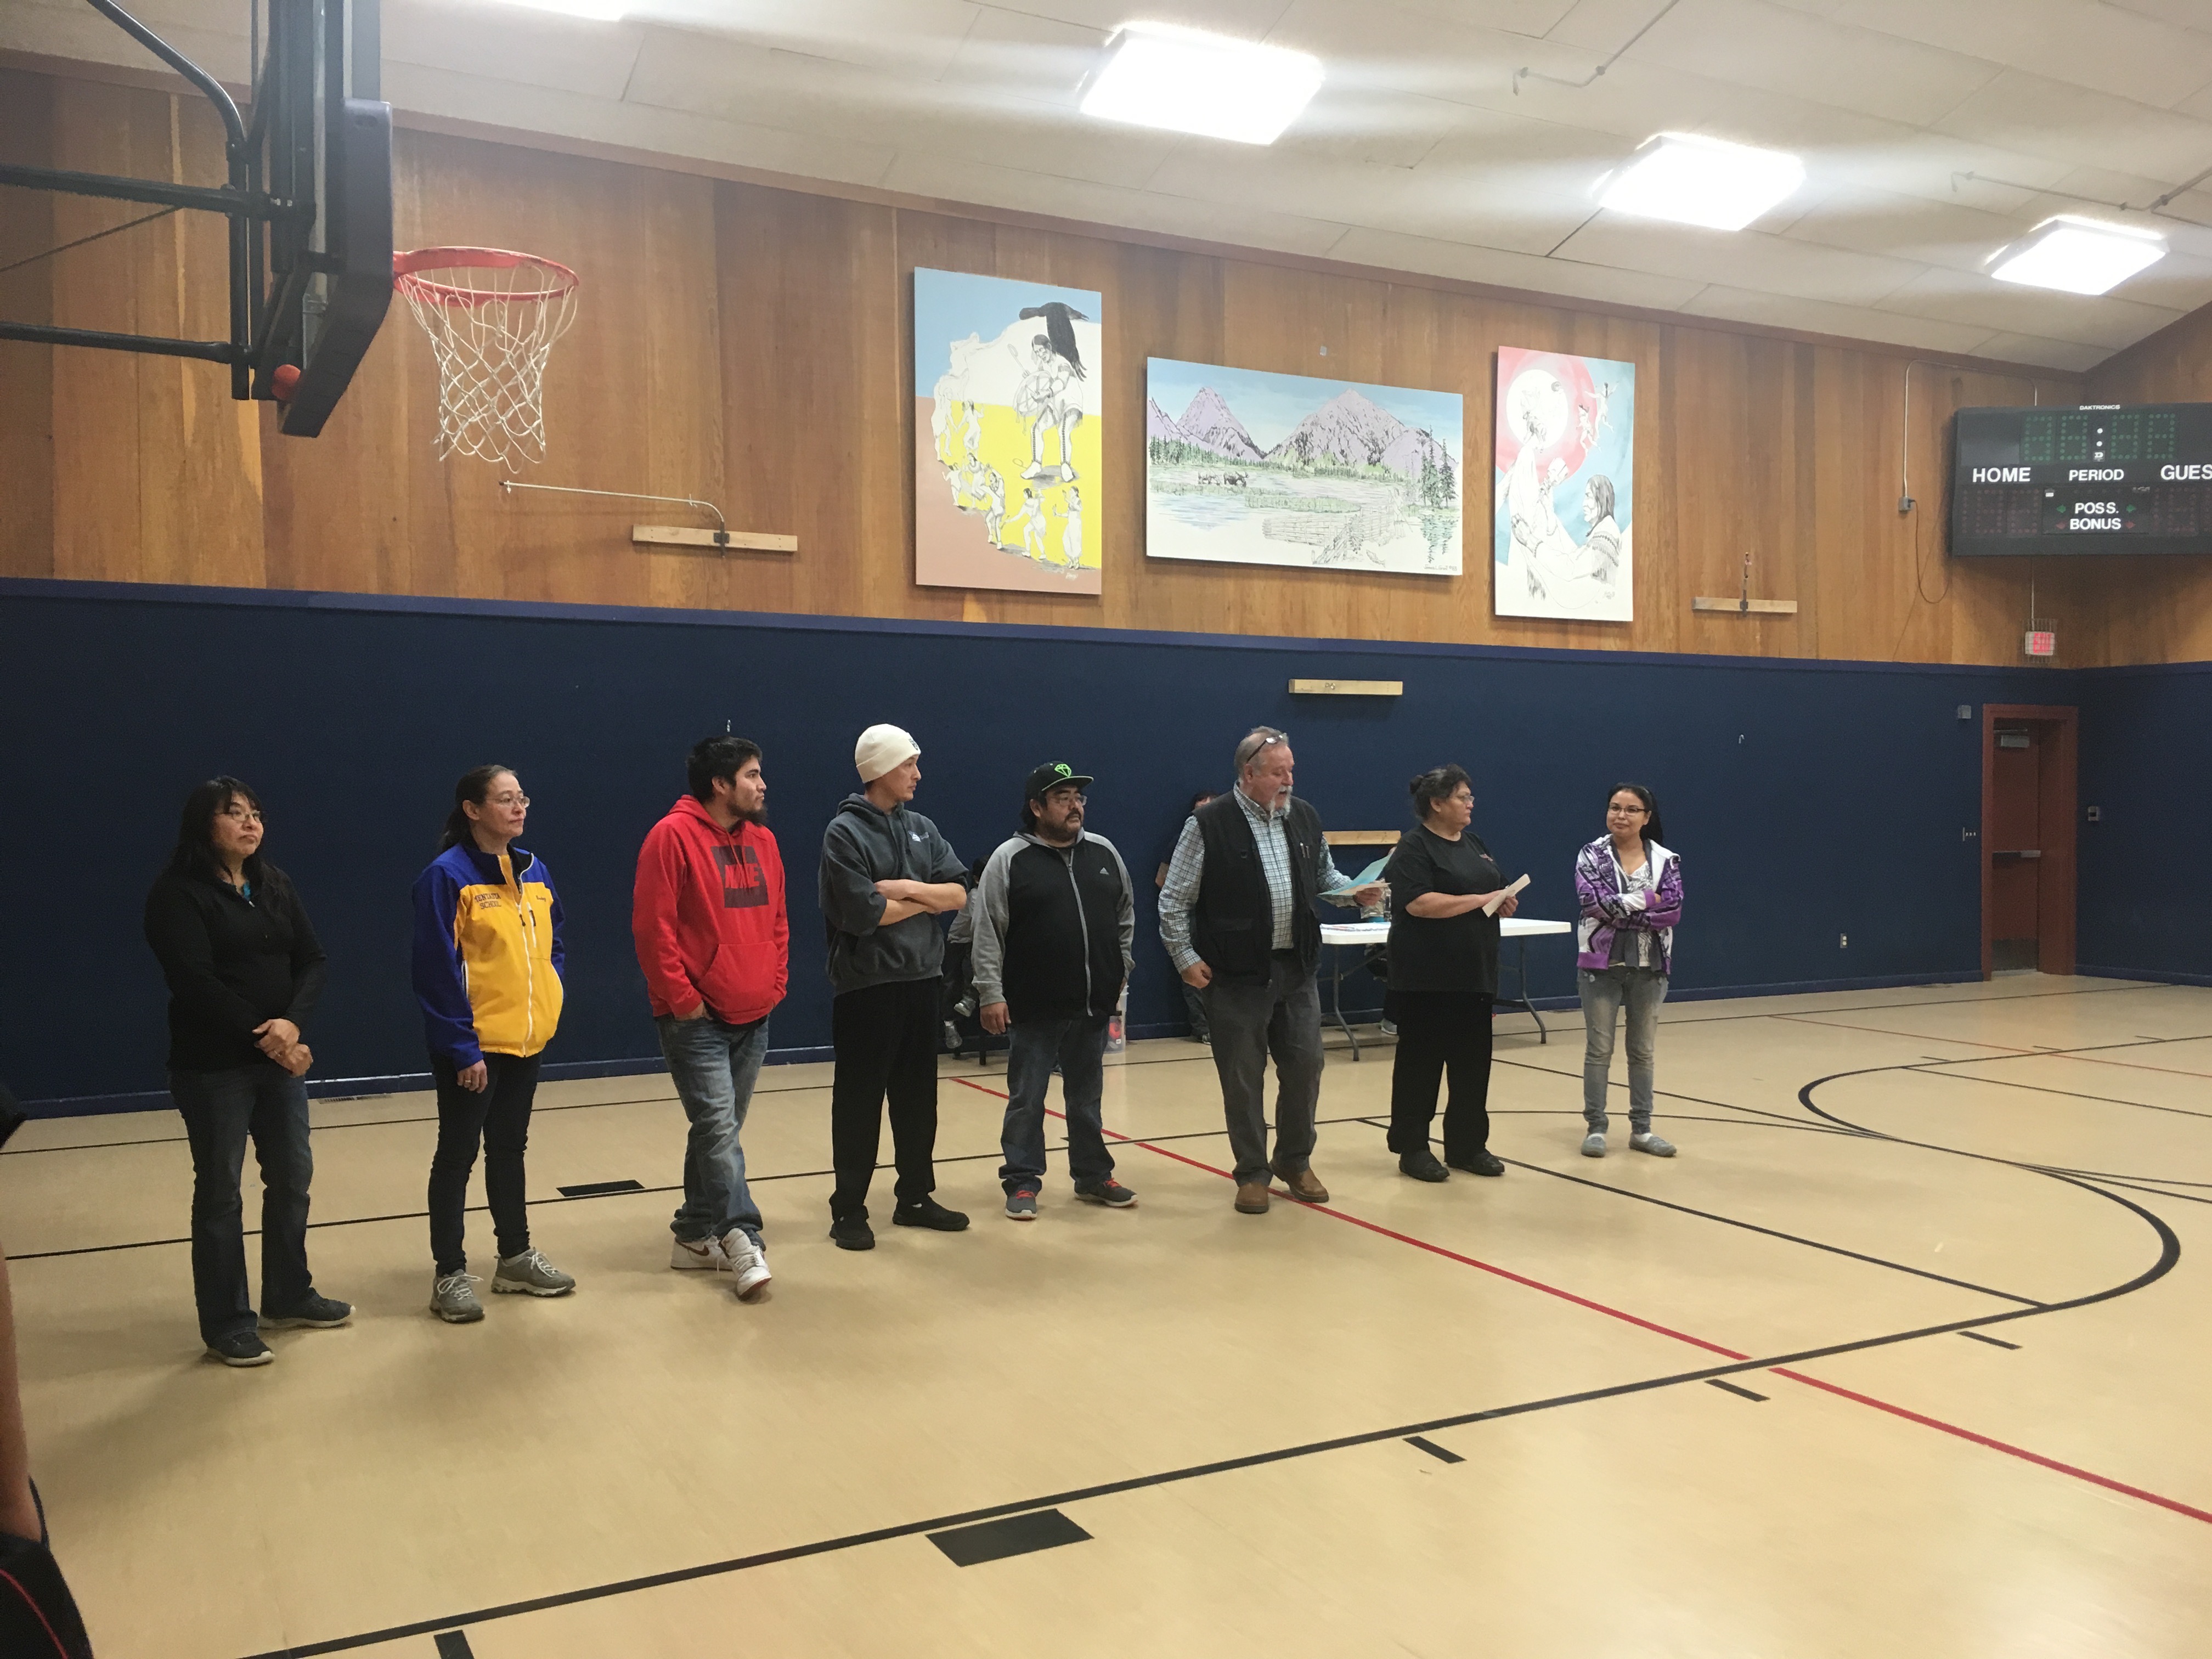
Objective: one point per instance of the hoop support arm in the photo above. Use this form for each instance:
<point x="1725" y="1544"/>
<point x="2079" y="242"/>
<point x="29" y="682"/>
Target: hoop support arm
<point x="212" y="351"/>
<point x="209" y="198"/>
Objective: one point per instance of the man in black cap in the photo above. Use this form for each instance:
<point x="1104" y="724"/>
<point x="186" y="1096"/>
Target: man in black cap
<point x="1054" y="920"/>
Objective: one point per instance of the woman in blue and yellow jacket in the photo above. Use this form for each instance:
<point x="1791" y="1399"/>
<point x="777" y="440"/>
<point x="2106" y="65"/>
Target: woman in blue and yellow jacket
<point x="487" y="974"/>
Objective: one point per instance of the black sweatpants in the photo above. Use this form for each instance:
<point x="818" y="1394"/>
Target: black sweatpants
<point x="499" y="1118"/>
<point x="886" y="1037"/>
<point x="1438" y="1030"/>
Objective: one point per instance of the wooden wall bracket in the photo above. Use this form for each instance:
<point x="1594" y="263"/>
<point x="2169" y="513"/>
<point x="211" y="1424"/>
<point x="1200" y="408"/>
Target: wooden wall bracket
<point x="1360" y="837"/>
<point x="1743" y="605"/>
<point x="1348" y="687"/>
<point x="669" y="535"/>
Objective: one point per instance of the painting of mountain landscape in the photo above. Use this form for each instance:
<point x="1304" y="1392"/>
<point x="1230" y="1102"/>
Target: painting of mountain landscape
<point x="1242" y="467"/>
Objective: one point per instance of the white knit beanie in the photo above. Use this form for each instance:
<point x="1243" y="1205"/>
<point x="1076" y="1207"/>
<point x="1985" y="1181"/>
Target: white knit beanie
<point x="883" y="748"/>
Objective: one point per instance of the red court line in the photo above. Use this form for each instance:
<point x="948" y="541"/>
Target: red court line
<point x="1910" y="1416"/>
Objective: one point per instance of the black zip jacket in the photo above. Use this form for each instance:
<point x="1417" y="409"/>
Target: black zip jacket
<point x="231" y="963"/>
<point x="1053" y="927"/>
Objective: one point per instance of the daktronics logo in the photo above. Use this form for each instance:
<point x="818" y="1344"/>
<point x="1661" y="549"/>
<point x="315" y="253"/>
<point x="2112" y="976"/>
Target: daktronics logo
<point x="2193" y="472"/>
<point x="2004" y="475"/>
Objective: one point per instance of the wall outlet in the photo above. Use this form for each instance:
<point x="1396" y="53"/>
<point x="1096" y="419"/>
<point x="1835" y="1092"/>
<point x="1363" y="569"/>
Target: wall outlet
<point x="2096" y="815"/>
<point x="1965" y="711"/>
<point x="1842" y="941"/>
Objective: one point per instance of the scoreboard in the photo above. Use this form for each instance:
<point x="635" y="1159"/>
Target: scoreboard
<point x="2097" y="478"/>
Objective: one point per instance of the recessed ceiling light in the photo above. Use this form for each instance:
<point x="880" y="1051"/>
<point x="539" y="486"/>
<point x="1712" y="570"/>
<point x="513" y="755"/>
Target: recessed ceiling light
<point x="2081" y="256"/>
<point x="1695" y="180"/>
<point x="598" y="11"/>
<point x="1158" y="76"/>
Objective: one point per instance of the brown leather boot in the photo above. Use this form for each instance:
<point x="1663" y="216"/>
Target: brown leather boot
<point x="1252" y="1198"/>
<point x="1305" y="1186"/>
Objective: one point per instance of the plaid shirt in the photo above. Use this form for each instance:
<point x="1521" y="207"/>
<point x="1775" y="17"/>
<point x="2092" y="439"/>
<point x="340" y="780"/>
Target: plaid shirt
<point x="1180" y="892"/>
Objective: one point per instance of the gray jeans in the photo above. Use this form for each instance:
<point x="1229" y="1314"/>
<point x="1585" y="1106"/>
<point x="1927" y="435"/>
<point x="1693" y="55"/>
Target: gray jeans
<point x="1250" y="1022"/>
<point x="1603" y="992"/>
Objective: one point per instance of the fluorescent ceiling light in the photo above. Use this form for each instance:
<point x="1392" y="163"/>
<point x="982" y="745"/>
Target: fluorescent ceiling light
<point x="1695" y="180"/>
<point x="1158" y="76"/>
<point x="2081" y="256"/>
<point x="599" y="11"/>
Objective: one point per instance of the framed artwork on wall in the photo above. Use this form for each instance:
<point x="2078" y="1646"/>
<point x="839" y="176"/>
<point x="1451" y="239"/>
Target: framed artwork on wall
<point x="1566" y="524"/>
<point x="1244" y="467"/>
<point x="1008" y="435"/>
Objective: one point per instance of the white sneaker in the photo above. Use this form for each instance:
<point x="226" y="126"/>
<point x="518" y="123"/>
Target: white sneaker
<point x="748" y="1265"/>
<point x="705" y="1256"/>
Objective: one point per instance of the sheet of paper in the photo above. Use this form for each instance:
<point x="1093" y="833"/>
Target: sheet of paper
<point x="1373" y="872"/>
<point x="1498" y="899"/>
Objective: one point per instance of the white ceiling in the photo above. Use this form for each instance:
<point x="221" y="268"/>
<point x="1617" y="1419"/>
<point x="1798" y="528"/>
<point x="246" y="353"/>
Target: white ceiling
<point x="1419" y="153"/>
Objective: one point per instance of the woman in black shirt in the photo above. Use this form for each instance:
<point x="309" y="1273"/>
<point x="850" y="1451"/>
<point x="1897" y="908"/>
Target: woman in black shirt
<point x="244" y="971"/>
<point x="1443" y="977"/>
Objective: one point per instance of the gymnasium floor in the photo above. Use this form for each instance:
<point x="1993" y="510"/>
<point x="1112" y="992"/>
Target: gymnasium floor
<point x="1905" y="1355"/>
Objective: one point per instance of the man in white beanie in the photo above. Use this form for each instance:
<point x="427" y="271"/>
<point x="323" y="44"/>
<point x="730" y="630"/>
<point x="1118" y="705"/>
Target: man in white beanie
<point x="886" y="875"/>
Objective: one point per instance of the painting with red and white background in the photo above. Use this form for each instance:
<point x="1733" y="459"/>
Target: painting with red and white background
<point x="1565" y="487"/>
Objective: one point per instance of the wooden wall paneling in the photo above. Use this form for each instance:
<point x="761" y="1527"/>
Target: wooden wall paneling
<point x="26" y="372"/>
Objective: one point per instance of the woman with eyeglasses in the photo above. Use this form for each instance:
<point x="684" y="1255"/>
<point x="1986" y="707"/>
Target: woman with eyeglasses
<point x="244" y="969"/>
<point x="1443" y="979"/>
<point x="487" y="974"/>
<point x="1631" y="892"/>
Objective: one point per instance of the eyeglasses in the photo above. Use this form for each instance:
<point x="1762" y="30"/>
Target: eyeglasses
<point x="241" y="814"/>
<point x="509" y="799"/>
<point x="1628" y="811"/>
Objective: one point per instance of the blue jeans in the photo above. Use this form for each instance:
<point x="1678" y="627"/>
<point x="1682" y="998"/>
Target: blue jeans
<point x="1641" y="989"/>
<point x="1078" y="1046"/>
<point x="220" y="1110"/>
<point x="714" y="1066"/>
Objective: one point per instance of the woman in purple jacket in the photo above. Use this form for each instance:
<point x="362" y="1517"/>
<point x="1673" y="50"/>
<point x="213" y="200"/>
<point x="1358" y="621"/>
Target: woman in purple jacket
<point x="1630" y="889"/>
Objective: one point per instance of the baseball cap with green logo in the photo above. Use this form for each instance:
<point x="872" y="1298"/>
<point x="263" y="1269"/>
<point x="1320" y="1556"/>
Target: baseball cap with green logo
<point x="1051" y="776"/>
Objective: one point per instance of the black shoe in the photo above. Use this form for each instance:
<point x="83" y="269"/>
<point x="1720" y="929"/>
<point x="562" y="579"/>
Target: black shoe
<point x="1481" y="1163"/>
<point x="240" y="1348"/>
<point x="1422" y="1166"/>
<point x="852" y="1232"/>
<point x="928" y="1212"/>
<point x="320" y="1313"/>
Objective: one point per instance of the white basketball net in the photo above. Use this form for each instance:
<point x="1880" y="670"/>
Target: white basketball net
<point x="492" y="318"/>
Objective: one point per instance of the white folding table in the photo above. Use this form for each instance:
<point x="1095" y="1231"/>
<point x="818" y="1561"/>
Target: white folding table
<point x="1367" y="934"/>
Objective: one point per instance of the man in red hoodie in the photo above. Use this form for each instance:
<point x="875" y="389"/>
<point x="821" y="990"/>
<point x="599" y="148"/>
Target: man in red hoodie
<point x="713" y="940"/>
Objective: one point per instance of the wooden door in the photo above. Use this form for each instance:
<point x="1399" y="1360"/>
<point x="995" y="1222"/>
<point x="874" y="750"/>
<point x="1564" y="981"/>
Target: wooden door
<point x="2028" y="763"/>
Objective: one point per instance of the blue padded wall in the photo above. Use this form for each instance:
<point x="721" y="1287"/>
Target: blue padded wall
<point x="2146" y="765"/>
<point x="1808" y="800"/>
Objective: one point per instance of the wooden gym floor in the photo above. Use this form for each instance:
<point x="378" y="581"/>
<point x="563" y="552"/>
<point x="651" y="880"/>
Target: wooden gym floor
<point x="1905" y="1355"/>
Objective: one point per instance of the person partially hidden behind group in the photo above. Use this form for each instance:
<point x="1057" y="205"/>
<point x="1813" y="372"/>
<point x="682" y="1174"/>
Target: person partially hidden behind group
<point x="1443" y="979"/>
<point x="1238" y="918"/>
<point x="886" y="876"/>
<point x="1631" y="892"/>
<point x="713" y="940"/>
<point x="488" y="976"/>
<point x="244" y="969"/>
<point x="1054" y="921"/>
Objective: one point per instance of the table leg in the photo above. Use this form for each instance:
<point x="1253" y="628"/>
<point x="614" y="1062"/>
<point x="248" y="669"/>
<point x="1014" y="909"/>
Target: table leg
<point x="1522" y="1001"/>
<point x="1336" y="992"/>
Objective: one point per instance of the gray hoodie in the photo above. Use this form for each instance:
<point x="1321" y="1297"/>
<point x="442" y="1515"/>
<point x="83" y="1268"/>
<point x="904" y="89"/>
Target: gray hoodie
<point x="864" y="845"/>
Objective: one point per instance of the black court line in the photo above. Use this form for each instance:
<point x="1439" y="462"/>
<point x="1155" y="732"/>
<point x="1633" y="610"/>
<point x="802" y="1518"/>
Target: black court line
<point x="1433" y="1449"/>
<point x="1719" y="1383"/>
<point x="1994" y="1341"/>
<point x="1017" y="1534"/>
<point x="1775" y="1232"/>
<point x="2044" y="1089"/>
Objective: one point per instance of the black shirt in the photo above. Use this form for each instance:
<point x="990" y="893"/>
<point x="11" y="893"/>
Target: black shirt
<point x="232" y="962"/>
<point x="1442" y="953"/>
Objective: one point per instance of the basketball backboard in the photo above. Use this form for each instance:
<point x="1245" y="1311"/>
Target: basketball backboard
<point x="308" y="198"/>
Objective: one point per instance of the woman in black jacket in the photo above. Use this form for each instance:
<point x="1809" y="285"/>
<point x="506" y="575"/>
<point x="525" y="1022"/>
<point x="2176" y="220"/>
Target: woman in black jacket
<point x="1443" y="979"/>
<point x="244" y="971"/>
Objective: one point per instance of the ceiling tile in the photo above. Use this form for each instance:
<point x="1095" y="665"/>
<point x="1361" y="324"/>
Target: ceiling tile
<point x="1033" y="58"/>
<point x="955" y="180"/>
<point x="1817" y="317"/>
<point x="1602" y="27"/>
<point x="505" y="43"/>
<point x="2046" y="353"/>
<point x="1759" y="45"/>
<point x="2124" y="53"/>
<point x="1391" y="251"/>
<point x="905" y="37"/>
<point x="1249" y="20"/>
<point x="1907" y="227"/>
<point x="2040" y="116"/>
<point x="1746" y="258"/>
<point x="2086" y="319"/>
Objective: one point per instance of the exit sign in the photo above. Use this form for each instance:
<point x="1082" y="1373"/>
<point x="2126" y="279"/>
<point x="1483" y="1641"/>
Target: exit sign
<point x="2043" y="645"/>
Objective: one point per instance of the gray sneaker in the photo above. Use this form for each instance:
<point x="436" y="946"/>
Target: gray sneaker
<point x="1021" y="1205"/>
<point x="453" y="1301"/>
<point x="1594" y="1144"/>
<point x="530" y="1274"/>
<point x="1658" y="1145"/>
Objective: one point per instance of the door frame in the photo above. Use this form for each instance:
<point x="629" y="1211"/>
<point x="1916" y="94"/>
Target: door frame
<point x="2060" y="810"/>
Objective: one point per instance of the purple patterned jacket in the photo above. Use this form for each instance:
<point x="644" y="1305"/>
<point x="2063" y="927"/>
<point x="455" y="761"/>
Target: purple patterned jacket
<point x="1607" y="906"/>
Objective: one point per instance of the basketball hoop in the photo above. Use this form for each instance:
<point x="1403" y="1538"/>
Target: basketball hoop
<point x="492" y="317"/>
